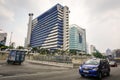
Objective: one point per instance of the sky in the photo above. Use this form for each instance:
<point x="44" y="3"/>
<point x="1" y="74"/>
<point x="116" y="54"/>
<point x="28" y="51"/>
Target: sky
<point x="100" y="18"/>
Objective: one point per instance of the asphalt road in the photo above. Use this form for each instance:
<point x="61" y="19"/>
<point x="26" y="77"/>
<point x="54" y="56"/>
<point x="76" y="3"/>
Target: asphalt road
<point x="29" y="71"/>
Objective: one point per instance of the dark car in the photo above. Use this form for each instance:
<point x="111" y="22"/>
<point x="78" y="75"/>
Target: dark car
<point x="113" y="63"/>
<point x="95" y="67"/>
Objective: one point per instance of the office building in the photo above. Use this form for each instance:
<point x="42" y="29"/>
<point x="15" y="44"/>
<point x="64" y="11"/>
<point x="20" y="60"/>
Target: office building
<point x="30" y="26"/>
<point x="77" y="38"/>
<point x="50" y="30"/>
<point x="92" y="49"/>
<point x="3" y="37"/>
<point x="108" y="52"/>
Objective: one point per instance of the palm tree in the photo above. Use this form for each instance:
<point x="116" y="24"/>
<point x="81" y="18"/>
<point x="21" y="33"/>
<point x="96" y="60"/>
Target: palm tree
<point x="34" y="49"/>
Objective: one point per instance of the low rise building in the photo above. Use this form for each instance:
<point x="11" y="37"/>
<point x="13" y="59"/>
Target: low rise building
<point x="3" y="37"/>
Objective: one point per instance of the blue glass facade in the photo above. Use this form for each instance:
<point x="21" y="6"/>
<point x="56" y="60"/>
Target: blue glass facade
<point x="47" y="29"/>
<point x="77" y="38"/>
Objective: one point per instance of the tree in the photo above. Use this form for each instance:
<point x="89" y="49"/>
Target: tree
<point x="43" y="51"/>
<point x="34" y="49"/>
<point x="10" y="47"/>
<point x="20" y="47"/>
<point x="3" y="47"/>
<point x="98" y="55"/>
<point x="73" y="52"/>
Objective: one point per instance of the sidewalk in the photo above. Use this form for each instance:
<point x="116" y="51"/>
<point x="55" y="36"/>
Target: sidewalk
<point x="2" y="61"/>
<point x="51" y="63"/>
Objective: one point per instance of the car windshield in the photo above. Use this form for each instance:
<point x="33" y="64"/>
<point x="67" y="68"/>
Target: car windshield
<point x="92" y="62"/>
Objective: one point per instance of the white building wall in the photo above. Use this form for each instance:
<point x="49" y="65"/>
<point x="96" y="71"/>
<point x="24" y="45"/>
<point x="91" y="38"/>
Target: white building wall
<point x="66" y="28"/>
<point x="29" y="29"/>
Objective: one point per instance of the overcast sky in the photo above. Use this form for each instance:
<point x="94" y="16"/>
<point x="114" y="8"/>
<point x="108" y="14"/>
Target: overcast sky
<point x="100" y="18"/>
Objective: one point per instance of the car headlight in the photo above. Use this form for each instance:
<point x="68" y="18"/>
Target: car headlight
<point x="95" y="69"/>
<point x="80" y="67"/>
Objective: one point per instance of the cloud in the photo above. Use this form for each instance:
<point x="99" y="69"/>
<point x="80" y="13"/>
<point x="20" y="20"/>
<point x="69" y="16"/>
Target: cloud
<point x="28" y="6"/>
<point x="99" y="6"/>
<point x="6" y="14"/>
<point x="2" y="1"/>
<point x="103" y="24"/>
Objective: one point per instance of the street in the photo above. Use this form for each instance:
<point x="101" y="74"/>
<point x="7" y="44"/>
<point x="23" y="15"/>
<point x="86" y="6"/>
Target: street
<point x="28" y="71"/>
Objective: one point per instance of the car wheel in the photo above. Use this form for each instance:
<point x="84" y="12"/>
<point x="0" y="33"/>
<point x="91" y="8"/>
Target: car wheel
<point x="100" y="76"/>
<point x="82" y="75"/>
<point x="8" y="62"/>
<point x="13" y="62"/>
<point x="19" y="63"/>
<point x="108" y="73"/>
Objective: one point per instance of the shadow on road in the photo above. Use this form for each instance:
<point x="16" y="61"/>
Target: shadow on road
<point x="92" y="78"/>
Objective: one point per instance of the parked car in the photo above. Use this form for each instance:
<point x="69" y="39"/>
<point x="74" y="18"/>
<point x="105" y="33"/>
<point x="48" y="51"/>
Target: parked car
<point x="95" y="67"/>
<point x="113" y="63"/>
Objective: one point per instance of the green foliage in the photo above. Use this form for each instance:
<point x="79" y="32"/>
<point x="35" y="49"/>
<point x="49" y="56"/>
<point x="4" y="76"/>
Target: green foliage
<point x="87" y="54"/>
<point x="3" y="47"/>
<point x="10" y="47"/>
<point x="43" y="51"/>
<point x="73" y="52"/>
<point x="98" y="55"/>
<point x="34" y="49"/>
<point x="20" y="47"/>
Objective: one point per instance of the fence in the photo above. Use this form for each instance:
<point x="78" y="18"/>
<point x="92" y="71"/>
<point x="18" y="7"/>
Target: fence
<point x="60" y="58"/>
<point x="3" y="55"/>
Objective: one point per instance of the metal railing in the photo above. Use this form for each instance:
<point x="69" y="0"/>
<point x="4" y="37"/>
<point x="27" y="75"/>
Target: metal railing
<point x="58" y="58"/>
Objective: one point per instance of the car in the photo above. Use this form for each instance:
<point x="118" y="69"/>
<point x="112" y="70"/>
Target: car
<point x="95" y="67"/>
<point x="113" y="63"/>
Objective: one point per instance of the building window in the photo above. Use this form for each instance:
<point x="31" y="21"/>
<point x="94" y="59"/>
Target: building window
<point x="80" y="38"/>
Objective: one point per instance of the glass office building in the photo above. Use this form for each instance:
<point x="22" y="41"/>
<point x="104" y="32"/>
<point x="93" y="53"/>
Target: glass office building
<point x="77" y="38"/>
<point x="51" y="29"/>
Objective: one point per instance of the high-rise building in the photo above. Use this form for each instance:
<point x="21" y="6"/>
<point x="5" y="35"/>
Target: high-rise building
<point x="3" y="37"/>
<point x="51" y="29"/>
<point x="108" y="52"/>
<point x="92" y="49"/>
<point x="27" y="40"/>
<point x="77" y="38"/>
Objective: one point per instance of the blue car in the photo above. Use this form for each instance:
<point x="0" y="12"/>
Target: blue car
<point x="95" y="67"/>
